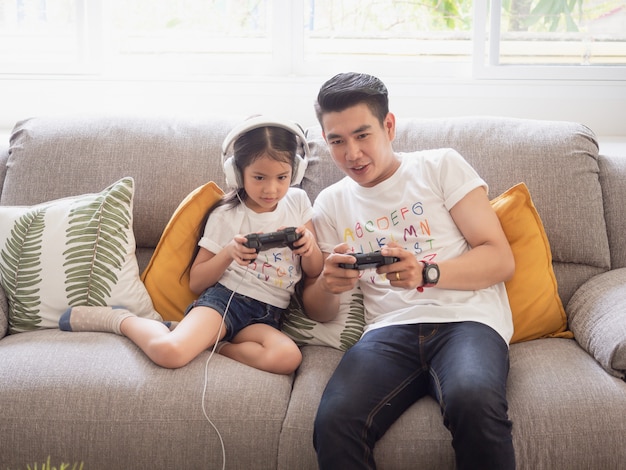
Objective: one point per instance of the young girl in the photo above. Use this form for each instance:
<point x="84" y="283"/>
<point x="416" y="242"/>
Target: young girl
<point x="242" y="294"/>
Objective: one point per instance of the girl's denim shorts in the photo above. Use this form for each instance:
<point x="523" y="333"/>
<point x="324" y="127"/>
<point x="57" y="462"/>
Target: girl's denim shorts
<point x="243" y="311"/>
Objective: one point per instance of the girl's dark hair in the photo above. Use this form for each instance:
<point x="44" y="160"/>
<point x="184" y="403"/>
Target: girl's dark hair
<point x="349" y="89"/>
<point x="276" y="143"/>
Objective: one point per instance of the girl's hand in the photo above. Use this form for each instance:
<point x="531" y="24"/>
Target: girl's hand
<point x="240" y="253"/>
<point x="306" y="245"/>
<point x="307" y="248"/>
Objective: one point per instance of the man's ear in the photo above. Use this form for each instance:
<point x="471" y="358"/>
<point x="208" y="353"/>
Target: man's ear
<point x="389" y="124"/>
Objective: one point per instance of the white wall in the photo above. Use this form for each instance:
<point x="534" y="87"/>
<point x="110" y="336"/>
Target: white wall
<point x="599" y="105"/>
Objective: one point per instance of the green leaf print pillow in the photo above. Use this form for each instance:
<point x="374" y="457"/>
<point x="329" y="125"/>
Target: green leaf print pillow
<point x="69" y="252"/>
<point x="340" y="333"/>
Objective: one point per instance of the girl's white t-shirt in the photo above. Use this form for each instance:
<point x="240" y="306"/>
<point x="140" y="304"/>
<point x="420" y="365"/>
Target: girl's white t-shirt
<point x="412" y="208"/>
<point x="272" y="277"/>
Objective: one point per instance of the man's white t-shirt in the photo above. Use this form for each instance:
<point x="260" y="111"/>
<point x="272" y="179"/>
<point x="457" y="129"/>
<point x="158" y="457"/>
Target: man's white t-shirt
<point x="412" y="208"/>
<point x="272" y="277"/>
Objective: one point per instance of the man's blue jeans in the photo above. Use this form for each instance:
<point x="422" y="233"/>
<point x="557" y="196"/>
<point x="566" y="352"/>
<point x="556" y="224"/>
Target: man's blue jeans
<point x="464" y="366"/>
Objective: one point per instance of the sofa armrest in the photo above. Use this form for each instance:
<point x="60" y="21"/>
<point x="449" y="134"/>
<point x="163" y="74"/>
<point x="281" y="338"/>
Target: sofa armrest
<point x="597" y="317"/>
<point x="4" y="313"/>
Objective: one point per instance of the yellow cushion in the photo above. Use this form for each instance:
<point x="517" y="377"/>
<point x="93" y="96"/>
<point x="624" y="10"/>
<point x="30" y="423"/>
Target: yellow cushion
<point x="537" y="308"/>
<point x="164" y="279"/>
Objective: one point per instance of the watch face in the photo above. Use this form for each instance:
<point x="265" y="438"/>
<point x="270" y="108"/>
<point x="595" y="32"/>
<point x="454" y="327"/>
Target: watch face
<point x="432" y="274"/>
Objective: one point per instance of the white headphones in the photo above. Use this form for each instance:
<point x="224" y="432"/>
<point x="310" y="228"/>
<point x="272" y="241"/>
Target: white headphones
<point x="233" y="178"/>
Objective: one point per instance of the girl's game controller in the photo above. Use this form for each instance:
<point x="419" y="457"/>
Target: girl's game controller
<point x="265" y="241"/>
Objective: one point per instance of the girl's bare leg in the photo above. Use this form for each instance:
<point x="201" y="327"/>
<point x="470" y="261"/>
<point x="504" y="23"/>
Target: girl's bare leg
<point x="265" y="348"/>
<point x="197" y="331"/>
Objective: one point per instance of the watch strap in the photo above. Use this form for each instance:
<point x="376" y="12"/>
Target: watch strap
<point x="426" y="280"/>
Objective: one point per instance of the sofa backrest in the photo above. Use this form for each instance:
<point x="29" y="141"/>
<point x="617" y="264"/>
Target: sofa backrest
<point x="4" y="156"/>
<point x="54" y="157"/>
<point x="613" y="180"/>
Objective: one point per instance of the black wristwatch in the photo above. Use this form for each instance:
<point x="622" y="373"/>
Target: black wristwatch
<point x="430" y="274"/>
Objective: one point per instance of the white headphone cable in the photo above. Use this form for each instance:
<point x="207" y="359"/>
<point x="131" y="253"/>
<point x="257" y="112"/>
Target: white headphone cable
<point x="206" y="369"/>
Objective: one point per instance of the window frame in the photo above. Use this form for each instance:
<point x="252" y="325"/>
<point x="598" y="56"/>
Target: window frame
<point x="486" y="55"/>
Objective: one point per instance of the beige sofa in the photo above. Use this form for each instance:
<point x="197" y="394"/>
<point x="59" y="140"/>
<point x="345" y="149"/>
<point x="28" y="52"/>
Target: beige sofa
<point x="95" y="399"/>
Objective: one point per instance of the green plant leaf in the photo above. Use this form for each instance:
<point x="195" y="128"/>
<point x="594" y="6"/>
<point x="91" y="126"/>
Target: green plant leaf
<point x="96" y="240"/>
<point x="355" y="322"/>
<point x="21" y="268"/>
<point x="296" y="323"/>
<point x="550" y="13"/>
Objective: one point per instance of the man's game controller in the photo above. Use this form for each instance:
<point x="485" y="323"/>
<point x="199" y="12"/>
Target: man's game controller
<point x="265" y="241"/>
<point x="369" y="260"/>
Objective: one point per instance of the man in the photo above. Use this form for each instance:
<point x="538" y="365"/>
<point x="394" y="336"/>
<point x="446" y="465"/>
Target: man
<point x="438" y="320"/>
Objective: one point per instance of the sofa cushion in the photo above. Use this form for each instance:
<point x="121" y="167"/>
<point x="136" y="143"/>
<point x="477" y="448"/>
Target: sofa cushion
<point x="597" y="313"/>
<point x="533" y="292"/>
<point x="97" y="398"/>
<point x="567" y="412"/>
<point x="165" y="278"/>
<point x="68" y="252"/>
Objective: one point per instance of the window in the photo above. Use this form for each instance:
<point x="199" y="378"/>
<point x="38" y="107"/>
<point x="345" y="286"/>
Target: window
<point x="39" y="37"/>
<point x="416" y="38"/>
<point x="427" y="38"/>
<point x="128" y="38"/>
<point x="584" y="39"/>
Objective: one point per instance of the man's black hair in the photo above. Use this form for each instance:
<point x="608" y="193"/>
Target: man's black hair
<point x="348" y="89"/>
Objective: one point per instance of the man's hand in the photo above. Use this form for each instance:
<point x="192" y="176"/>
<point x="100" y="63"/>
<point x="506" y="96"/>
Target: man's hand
<point x="334" y="278"/>
<point x="407" y="272"/>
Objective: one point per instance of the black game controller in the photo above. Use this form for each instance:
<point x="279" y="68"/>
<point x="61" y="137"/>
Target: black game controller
<point x="265" y="241"/>
<point x="369" y="260"/>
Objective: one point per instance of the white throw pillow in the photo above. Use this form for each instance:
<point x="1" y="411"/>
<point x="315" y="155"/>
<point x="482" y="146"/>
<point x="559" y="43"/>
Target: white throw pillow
<point x="68" y="252"/>
<point x="340" y="333"/>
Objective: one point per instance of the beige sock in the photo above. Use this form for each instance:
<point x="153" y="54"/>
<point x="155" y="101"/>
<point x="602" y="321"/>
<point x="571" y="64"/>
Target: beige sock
<point x="82" y="318"/>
